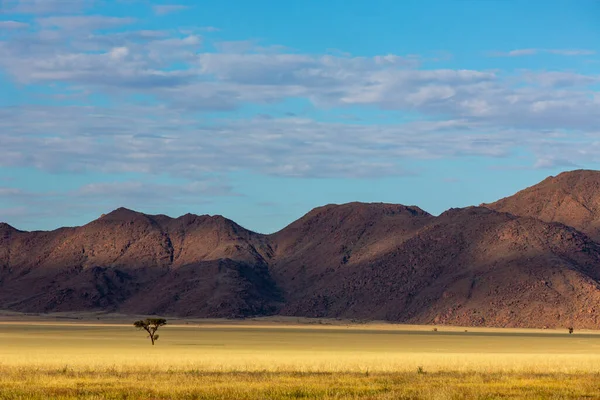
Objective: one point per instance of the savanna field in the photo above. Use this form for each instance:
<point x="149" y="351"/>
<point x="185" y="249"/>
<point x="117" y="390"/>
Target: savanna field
<point x="41" y="359"/>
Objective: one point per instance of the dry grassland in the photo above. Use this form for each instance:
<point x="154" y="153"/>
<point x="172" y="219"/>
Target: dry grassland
<point x="276" y="360"/>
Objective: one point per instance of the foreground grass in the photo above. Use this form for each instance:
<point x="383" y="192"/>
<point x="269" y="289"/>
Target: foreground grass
<point x="96" y="361"/>
<point x="19" y="383"/>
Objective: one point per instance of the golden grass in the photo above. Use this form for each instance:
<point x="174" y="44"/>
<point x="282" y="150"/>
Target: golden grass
<point x="67" y="384"/>
<point x="257" y="360"/>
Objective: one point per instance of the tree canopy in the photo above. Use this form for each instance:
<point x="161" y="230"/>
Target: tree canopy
<point x="150" y="325"/>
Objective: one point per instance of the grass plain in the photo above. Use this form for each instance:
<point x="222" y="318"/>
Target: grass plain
<point x="268" y="359"/>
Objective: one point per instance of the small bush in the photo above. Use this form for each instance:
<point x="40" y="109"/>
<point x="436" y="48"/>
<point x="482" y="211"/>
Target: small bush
<point x="420" y="370"/>
<point x="570" y="330"/>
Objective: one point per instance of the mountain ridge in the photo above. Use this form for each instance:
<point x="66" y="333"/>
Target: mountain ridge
<point x="570" y="197"/>
<point x="512" y="263"/>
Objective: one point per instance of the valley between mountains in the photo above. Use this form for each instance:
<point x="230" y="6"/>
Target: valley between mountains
<point x="528" y="260"/>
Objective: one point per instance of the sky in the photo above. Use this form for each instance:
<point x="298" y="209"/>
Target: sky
<point x="262" y="110"/>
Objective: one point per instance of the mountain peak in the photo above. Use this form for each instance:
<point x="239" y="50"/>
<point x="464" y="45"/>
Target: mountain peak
<point x="579" y="172"/>
<point x="6" y="227"/>
<point x="371" y="208"/>
<point x="205" y="218"/>
<point x="570" y="178"/>
<point x="571" y="198"/>
<point x="121" y="213"/>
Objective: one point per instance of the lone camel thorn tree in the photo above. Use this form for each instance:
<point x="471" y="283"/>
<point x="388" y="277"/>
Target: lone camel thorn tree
<point x="150" y="325"/>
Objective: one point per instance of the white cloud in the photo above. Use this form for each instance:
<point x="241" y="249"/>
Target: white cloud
<point x="118" y="53"/>
<point x="560" y="79"/>
<point x="485" y="113"/>
<point x="554" y="162"/>
<point x="157" y="141"/>
<point x="572" y="52"/>
<point x="86" y="22"/>
<point x="235" y="46"/>
<point x="392" y="59"/>
<point x="532" y="51"/>
<point x="168" y="9"/>
<point x="132" y="191"/>
<point x="245" y="74"/>
<point x="519" y="52"/>
<point x="11" y="192"/>
<point x="209" y="29"/>
<point x="13" y="25"/>
<point x="43" y="6"/>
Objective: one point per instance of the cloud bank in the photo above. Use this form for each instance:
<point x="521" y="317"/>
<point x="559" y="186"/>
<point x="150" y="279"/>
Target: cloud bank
<point x="112" y="96"/>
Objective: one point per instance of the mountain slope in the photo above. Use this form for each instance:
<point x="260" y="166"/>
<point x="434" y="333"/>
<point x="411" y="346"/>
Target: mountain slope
<point x="126" y="260"/>
<point x="331" y="240"/>
<point x="468" y="267"/>
<point x="572" y="198"/>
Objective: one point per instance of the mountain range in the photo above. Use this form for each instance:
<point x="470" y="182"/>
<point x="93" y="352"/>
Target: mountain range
<point x="528" y="260"/>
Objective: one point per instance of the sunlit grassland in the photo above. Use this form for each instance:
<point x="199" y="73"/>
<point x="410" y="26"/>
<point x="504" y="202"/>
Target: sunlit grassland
<point x="257" y="361"/>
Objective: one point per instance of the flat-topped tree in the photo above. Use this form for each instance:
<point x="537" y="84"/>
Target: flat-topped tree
<point x="150" y="325"/>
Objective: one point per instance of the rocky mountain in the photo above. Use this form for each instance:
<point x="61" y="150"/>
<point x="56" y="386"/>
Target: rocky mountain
<point x="572" y="198"/>
<point x="472" y="267"/>
<point x="192" y="265"/>
<point x="334" y="243"/>
<point x="530" y="260"/>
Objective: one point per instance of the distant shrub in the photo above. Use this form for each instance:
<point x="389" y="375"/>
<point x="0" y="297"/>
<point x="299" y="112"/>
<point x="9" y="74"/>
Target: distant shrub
<point x="420" y="370"/>
<point x="434" y="329"/>
<point x="570" y="330"/>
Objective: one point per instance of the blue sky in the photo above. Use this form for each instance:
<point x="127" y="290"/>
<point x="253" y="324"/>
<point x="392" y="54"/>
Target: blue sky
<point x="261" y="110"/>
